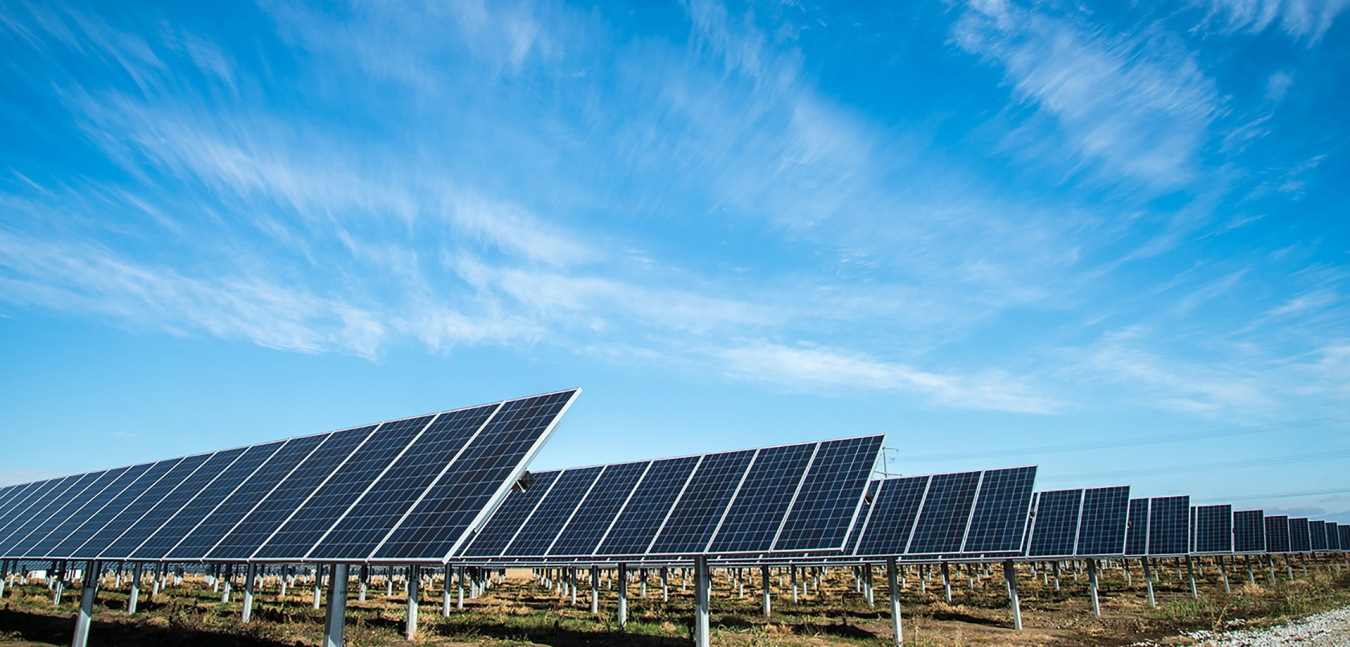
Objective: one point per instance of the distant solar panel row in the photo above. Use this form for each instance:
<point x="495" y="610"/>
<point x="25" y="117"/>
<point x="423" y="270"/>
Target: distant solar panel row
<point x="960" y="514"/>
<point x="776" y="499"/>
<point x="1086" y="523"/>
<point x="404" y="490"/>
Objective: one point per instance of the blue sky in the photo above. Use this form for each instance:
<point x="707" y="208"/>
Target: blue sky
<point x="1107" y="238"/>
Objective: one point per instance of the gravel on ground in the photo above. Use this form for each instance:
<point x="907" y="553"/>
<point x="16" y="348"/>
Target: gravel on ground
<point x="1328" y="629"/>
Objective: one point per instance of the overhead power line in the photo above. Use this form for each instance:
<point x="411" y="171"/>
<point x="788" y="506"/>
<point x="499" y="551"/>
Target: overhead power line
<point x="1133" y="442"/>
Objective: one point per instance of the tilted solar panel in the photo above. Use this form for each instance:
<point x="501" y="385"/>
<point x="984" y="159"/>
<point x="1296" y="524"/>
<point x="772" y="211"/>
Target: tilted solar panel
<point x="855" y="533"/>
<point x="1136" y="534"/>
<point x="639" y="519"/>
<point x="1001" y="512"/>
<point x="945" y="514"/>
<point x="1333" y="536"/>
<point x="1169" y="525"/>
<point x="827" y="503"/>
<point x="695" y="515"/>
<point x="513" y="514"/>
<point x="561" y="501"/>
<point x="891" y="516"/>
<point x="1249" y="531"/>
<point x="1344" y="531"/>
<point x="1103" y="523"/>
<point x="1317" y="535"/>
<point x="1277" y="533"/>
<point x="595" y="514"/>
<point x="1214" y="529"/>
<point x="1055" y="529"/>
<point x="282" y="501"/>
<point x="754" y="518"/>
<point x="1299" y="541"/>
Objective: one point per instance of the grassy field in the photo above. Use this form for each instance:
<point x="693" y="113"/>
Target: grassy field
<point x="520" y="612"/>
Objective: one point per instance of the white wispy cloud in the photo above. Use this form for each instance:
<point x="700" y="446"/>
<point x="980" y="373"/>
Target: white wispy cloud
<point x="1299" y="19"/>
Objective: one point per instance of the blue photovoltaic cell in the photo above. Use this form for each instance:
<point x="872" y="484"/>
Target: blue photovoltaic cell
<point x="641" y="517"/>
<point x="1214" y="529"/>
<point x="371" y="519"/>
<point x="946" y="510"/>
<point x="1249" y="531"/>
<point x="1277" y="533"/>
<point x="180" y="524"/>
<point x="694" y="517"/>
<point x="127" y="515"/>
<point x="1333" y="536"/>
<point x="830" y="495"/>
<point x="893" y="512"/>
<point x="1317" y="535"/>
<point x="1102" y="526"/>
<point x="597" y="511"/>
<point x="308" y="524"/>
<point x="70" y="546"/>
<point x="1055" y="529"/>
<point x="1001" y="511"/>
<point x="33" y="501"/>
<point x="1299" y="542"/>
<point x="436" y="526"/>
<point x="759" y="508"/>
<point x="170" y="505"/>
<point x="62" y="525"/>
<point x="1169" y="525"/>
<point x="1136" y="534"/>
<point x="244" y="498"/>
<point x="272" y="511"/>
<point x="54" y="508"/>
<point x="508" y="519"/>
<point x="548" y="519"/>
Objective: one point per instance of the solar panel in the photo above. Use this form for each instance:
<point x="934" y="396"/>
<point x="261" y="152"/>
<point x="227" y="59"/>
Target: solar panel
<point x="1249" y="531"/>
<point x="1333" y="536"/>
<point x="281" y="501"/>
<point x="141" y="499"/>
<point x="595" y="514"/>
<point x="1169" y="525"/>
<point x="491" y="540"/>
<point x="692" y="520"/>
<point x="248" y="487"/>
<point x="1001" y="511"/>
<point x="1317" y="535"/>
<point x="1299" y="541"/>
<point x="1213" y="529"/>
<point x="827" y="502"/>
<point x="170" y="504"/>
<point x="542" y="528"/>
<point x="642" y="515"/>
<point x="1054" y="531"/>
<point x="1102" y="524"/>
<point x="1345" y="536"/>
<point x="890" y="522"/>
<point x="754" y="518"/>
<point x="1277" y="534"/>
<point x="341" y="488"/>
<point x="1136" y="534"/>
<point x="945" y="514"/>
<point x="379" y="509"/>
<point x="437" y="525"/>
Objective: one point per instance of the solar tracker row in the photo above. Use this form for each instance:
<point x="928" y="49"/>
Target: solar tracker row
<point x="405" y="490"/>
<point x="775" y="499"/>
<point x="959" y="514"/>
<point x="1088" y="523"/>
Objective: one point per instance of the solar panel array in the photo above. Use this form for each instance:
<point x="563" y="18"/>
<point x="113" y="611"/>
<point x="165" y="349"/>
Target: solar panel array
<point x="791" y="498"/>
<point x="406" y="490"/>
<point x="960" y="515"/>
<point x="1088" y="523"/>
<point x="1213" y="529"/>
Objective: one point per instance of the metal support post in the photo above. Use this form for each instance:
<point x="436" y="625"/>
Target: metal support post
<point x="702" y="589"/>
<point x="1223" y="570"/>
<point x="595" y="591"/>
<point x="1092" y="584"/>
<point x="1056" y="569"/>
<point x="252" y="572"/>
<point x="335" y="617"/>
<point x="623" y="595"/>
<point x="665" y="584"/>
<point x="897" y="630"/>
<point x="363" y="582"/>
<point x="225" y="588"/>
<point x="1010" y="575"/>
<point x="1190" y="571"/>
<point x="764" y="585"/>
<point x="135" y="588"/>
<point x="318" y="582"/>
<point x="946" y="582"/>
<point x="1148" y="580"/>
<point x="85" y="617"/>
<point x="447" y="573"/>
<point x="412" y="583"/>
